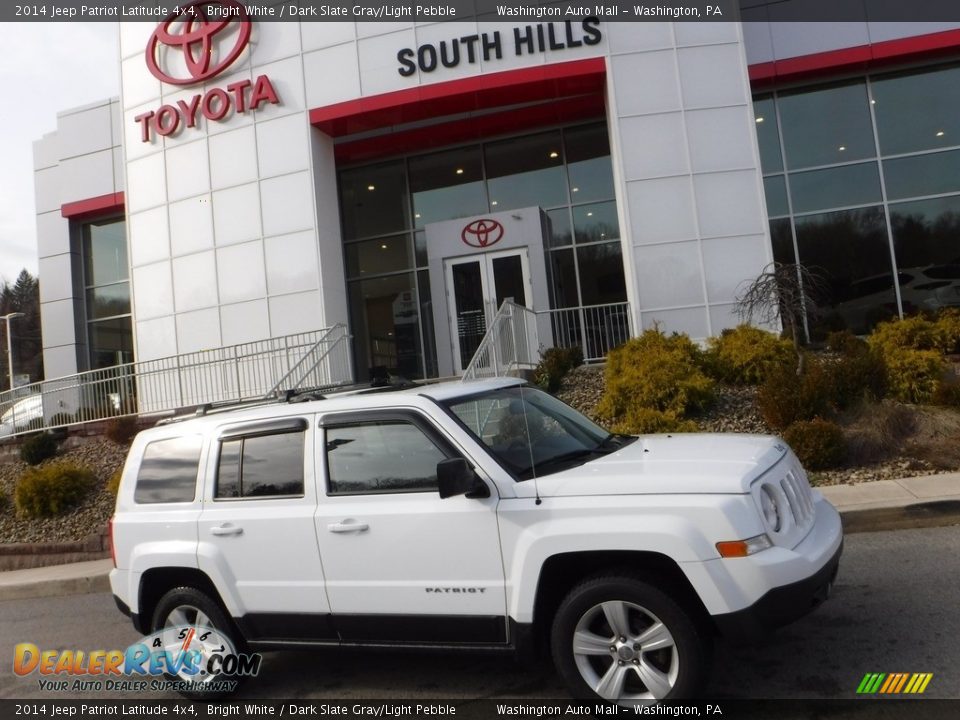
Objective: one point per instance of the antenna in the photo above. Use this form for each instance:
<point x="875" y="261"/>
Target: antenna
<point x="533" y="466"/>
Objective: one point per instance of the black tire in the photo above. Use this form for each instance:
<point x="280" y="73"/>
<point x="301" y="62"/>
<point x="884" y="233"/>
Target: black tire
<point x="616" y="667"/>
<point x="194" y="605"/>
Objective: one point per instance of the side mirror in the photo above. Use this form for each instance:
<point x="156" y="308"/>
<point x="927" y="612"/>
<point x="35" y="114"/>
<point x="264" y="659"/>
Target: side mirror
<point x="456" y="477"/>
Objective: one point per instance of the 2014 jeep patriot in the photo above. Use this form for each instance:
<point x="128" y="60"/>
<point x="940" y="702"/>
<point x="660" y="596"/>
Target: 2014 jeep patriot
<point x="477" y="515"/>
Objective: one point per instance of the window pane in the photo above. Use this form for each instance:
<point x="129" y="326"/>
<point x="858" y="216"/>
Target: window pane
<point x="920" y="111"/>
<point x="782" y="240"/>
<point x="111" y="342"/>
<point x="925" y="239"/>
<point x="601" y="274"/>
<point x="381" y="457"/>
<point x="588" y="163"/>
<point x="108" y="301"/>
<point x="767" y="135"/>
<point x="168" y="470"/>
<point x="563" y="279"/>
<point x="526" y="172"/>
<point x="559" y="232"/>
<point x="272" y="465"/>
<point x="851" y="250"/>
<point x="105" y="252"/>
<point x="386" y="326"/>
<point x="447" y="185"/>
<point x="228" y="470"/>
<point x="426" y="313"/>
<point x="775" y="188"/>
<point x="593" y="223"/>
<point x="826" y="126"/>
<point x="383" y="255"/>
<point x="373" y="200"/>
<point x="420" y="248"/>
<point x="922" y="175"/>
<point x="834" y="188"/>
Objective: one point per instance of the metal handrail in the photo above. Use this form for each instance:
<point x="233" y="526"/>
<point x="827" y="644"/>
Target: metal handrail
<point x="229" y="374"/>
<point x="510" y="344"/>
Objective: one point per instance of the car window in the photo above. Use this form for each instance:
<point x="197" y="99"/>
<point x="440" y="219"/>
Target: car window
<point x="381" y="457"/>
<point x="168" y="471"/>
<point x="259" y="466"/>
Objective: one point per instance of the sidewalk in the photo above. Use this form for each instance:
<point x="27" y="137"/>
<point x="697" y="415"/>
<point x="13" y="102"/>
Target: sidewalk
<point x="928" y="501"/>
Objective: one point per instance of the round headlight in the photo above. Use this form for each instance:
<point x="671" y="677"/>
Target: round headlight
<point x="768" y="504"/>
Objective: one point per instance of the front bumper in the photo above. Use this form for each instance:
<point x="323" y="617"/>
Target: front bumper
<point x="781" y="605"/>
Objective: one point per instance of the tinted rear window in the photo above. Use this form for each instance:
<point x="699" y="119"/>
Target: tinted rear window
<point x="168" y="471"/>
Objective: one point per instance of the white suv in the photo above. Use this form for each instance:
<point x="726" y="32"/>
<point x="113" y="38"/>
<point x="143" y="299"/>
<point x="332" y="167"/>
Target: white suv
<point x="482" y="516"/>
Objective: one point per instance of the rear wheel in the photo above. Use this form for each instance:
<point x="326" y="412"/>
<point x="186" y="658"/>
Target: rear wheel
<point x="622" y="640"/>
<point x="188" y="620"/>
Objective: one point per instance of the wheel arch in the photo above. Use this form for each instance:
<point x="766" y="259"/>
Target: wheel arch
<point x="156" y="582"/>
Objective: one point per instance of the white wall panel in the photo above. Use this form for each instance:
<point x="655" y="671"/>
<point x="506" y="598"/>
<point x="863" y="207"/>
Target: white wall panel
<point x="728" y="262"/>
<point x="332" y="75"/>
<point x="653" y="76"/>
<point x="198" y="330"/>
<point x="240" y="272"/>
<point x="236" y="214"/>
<point x="146" y="183"/>
<point x="721" y="139"/>
<point x="194" y="282"/>
<point x="692" y="321"/>
<point x="315" y="35"/>
<point x="729" y="203"/>
<point x="291" y="263"/>
<point x="244" y="322"/>
<point x="657" y="147"/>
<point x="669" y="275"/>
<point x="296" y="313"/>
<point x="711" y="76"/>
<point x="233" y="159"/>
<point x="287" y="204"/>
<point x="378" y="62"/>
<point x="156" y="338"/>
<point x="149" y="237"/>
<point x="191" y="225"/>
<point x="661" y="210"/>
<point x="280" y="146"/>
<point x="152" y="292"/>
<point x="624" y="37"/>
<point x="188" y="170"/>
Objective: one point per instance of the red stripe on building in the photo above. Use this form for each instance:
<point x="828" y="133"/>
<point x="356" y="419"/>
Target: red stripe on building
<point x="856" y="59"/>
<point x="481" y="92"/>
<point x="93" y="207"/>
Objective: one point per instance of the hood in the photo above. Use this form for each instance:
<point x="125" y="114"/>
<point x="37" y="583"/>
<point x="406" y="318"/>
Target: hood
<point x="684" y="463"/>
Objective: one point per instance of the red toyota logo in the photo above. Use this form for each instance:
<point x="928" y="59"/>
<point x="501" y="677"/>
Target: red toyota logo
<point x="191" y="30"/>
<point x="482" y="233"/>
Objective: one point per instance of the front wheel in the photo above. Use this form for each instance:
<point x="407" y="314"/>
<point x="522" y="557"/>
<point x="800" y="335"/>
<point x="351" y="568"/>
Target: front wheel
<point x="196" y="636"/>
<point x="622" y="640"/>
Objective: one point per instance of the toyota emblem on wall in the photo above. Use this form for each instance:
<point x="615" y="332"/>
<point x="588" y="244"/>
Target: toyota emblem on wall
<point x="482" y="233"/>
<point x="192" y="30"/>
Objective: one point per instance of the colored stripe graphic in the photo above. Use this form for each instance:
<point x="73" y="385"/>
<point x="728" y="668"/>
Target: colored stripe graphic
<point x="894" y="683"/>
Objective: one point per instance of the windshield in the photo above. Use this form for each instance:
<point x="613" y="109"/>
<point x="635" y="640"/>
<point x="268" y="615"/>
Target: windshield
<point x="532" y="433"/>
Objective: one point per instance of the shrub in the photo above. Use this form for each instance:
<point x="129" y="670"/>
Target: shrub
<point x="656" y="372"/>
<point x="947" y="394"/>
<point x="860" y="373"/>
<point x="52" y="489"/>
<point x="4" y="501"/>
<point x="641" y="420"/>
<point x="818" y="443"/>
<point x="948" y="328"/>
<point x="113" y="484"/>
<point x="913" y="333"/>
<point x="37" y="448"/>
<point x="121" y="430"/>
<point x="913" y="375"/>
<point x="784" y="398"/>
<point x="747" y="354"/>
<point x="554" y="364"/>
<point x="877" y="431"/>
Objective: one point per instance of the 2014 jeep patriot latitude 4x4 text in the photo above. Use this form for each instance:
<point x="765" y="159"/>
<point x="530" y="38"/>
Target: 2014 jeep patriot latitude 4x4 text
<point x="479" y="515"/>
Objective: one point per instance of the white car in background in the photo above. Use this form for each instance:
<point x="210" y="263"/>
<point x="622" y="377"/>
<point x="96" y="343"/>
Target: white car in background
<point x="21" y="414"/>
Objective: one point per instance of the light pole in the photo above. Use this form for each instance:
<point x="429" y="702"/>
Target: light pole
<point x="8" y="317"/>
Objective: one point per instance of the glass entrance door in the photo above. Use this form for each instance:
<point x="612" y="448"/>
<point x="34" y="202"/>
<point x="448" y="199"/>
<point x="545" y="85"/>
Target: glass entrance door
<point x="476" y="287"/>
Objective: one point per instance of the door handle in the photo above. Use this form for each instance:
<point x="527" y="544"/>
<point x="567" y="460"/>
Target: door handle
<point x="347" y="526"/>
<point x="226" y="529"/>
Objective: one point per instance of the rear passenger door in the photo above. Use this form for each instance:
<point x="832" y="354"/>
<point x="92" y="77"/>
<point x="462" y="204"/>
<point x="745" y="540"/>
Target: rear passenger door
<point x="402" y="565"/>
<point x="256" y="530"/>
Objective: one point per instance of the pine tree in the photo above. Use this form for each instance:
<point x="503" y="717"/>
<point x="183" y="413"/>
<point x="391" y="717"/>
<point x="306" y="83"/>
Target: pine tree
<point x="22" y="296"/>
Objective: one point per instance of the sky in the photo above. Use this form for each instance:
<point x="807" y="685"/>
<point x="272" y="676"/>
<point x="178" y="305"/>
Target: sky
<point x="45" y="68"/>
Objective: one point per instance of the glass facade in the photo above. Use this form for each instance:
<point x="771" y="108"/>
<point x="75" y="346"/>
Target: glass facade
<point x="862" y="180"/>
<point x="386" y="205"/>
<point x="106" y="279"/>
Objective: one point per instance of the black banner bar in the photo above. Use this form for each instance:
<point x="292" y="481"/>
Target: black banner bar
<point x="945" y="11"/>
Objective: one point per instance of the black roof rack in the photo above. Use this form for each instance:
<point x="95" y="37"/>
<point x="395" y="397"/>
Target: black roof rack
<point x="377" y="385"/>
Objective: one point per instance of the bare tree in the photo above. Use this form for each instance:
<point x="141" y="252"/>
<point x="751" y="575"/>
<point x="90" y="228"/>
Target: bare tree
<point x="788" y="291"/>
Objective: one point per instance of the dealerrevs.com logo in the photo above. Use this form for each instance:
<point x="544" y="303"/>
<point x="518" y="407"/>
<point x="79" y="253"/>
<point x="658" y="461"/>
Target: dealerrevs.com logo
<point x="183" y="51"/>
<point x="196" y="43"/>
<point x="181" y="658"/>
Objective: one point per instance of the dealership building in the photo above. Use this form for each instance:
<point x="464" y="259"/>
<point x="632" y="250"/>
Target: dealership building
<point x="404" y="178"/>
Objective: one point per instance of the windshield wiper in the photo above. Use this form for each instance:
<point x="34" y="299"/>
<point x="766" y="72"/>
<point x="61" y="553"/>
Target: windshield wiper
<point x="569" y="457"/>
<point x="615" y="441"/>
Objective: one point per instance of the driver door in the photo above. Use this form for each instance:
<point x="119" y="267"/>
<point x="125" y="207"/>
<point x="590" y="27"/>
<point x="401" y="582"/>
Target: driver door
<point x="401" y="564"/>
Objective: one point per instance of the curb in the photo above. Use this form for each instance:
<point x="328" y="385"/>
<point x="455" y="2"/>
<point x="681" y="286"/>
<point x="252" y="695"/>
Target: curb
<point x="56" y="588"/>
